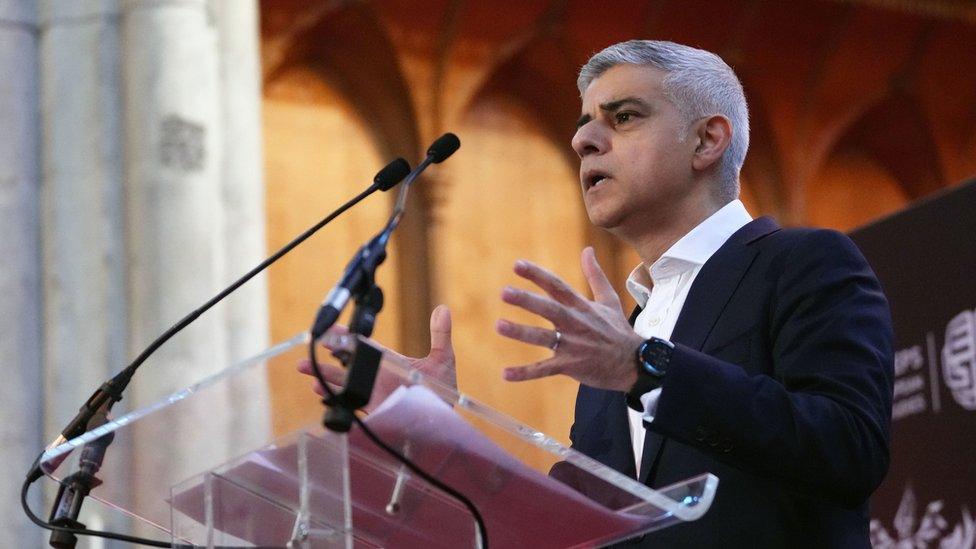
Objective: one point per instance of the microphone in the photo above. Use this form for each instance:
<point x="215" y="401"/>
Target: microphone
<point x="391" y="174"/>
<point x="358" y="280"/>
<point x="362" y="267"/>
<point x="110" y="392"/>
<point x="443" y="147"/>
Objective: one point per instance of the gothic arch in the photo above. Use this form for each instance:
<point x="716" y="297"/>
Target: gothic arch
<point x="895" y="134"/>
<point x="335" y="47"/>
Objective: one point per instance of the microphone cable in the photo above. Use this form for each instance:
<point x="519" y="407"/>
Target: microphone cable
<point x="442" y="148"/>
<point x="397" y="455"/>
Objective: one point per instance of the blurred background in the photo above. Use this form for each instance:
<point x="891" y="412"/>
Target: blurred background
<point x="151" y="151"/>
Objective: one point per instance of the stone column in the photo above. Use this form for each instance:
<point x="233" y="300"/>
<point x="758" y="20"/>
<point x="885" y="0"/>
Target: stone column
<point x="172" y="173"/>
<point x="84" y="270"/>
<point x="82" y="236"/>
<point x="177" y="225"/>
<point x="174" y="219"/>
<point x="242" y="181"/>
<point x="20" y="307"/>
<point x="145" y="117"/>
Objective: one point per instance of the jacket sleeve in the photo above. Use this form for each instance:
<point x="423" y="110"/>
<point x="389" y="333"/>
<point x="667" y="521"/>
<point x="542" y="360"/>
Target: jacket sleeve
<point x="818" y="422"/>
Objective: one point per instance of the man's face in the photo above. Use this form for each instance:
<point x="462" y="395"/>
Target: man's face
<point x="635" y="149"/>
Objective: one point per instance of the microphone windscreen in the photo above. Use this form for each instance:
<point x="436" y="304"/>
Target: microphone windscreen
<point x="443" y="147"/>
<point x="391" y="174"/>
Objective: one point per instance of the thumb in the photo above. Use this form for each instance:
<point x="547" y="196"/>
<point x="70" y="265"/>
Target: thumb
<point x="440" y="331"/>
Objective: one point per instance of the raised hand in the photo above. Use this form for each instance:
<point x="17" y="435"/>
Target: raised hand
<point x="439" y="363"/>
<point x="592" y="341"/>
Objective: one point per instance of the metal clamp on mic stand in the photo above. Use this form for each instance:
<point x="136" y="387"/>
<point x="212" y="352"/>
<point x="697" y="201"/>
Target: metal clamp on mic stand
<point x="361" y="365"/>
<point x="76" y="487"/>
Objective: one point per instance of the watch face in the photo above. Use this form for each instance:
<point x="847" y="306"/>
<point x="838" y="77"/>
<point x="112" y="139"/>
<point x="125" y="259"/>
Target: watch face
<point x="655" y="356"/>
<point x="651" y="369"/>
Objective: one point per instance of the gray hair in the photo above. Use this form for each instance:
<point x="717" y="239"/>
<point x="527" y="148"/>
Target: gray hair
<point x="697" y="82"/>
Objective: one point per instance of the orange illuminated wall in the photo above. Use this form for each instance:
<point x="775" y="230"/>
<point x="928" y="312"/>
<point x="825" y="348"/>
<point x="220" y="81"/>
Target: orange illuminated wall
<point x="857" y="109"/>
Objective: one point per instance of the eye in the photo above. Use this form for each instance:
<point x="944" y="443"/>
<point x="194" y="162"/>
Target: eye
<point x="624" y="116"/>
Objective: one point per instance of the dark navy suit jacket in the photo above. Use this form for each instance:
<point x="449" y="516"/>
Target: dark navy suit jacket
<point x="780" y="385"/>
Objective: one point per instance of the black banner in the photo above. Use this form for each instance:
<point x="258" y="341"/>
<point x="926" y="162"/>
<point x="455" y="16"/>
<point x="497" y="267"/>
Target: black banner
<point x="925" y="258"/>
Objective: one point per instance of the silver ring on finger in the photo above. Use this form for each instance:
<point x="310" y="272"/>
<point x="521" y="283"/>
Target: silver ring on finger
<point x="555" y="343"/>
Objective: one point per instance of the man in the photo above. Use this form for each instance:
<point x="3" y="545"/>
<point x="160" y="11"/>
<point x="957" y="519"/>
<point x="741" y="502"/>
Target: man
<point x="759" y="354"/>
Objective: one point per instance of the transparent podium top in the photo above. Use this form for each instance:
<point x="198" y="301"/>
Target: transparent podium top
<point x="211" y="465"/>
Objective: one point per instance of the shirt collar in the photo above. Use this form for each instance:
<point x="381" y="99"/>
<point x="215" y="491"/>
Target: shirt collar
<point x="690" y="251"/>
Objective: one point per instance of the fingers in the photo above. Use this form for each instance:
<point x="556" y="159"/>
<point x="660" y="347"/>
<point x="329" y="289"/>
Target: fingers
<point x="534" y="303"/>
<point x="333" y="374"/>
<point x="336" y="330"/>
<point x="333" y="339"/>
<point x="603" y="291"/>
<point x="552" y="284"/>
<point x="538" y="370"/>
<point x="336" y="340"/>
<point x="526" y="334"/>
<point x="440" y="330"/>
<point x="317" y="388"/>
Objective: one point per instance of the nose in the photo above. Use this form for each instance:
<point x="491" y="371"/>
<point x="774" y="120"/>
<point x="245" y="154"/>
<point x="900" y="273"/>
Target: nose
<point x="590" y="139"/>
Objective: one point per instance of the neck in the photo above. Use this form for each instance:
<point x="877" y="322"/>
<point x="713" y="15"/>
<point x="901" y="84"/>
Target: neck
<point x="659" y="232"/>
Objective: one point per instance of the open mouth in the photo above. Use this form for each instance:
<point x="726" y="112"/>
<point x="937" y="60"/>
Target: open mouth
<point x="595" y="180"/>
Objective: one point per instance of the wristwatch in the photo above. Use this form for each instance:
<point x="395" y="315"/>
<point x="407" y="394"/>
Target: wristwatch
<point x="653" y="359"/>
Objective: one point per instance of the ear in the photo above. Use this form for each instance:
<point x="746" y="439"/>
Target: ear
<point x="714" y="134"/>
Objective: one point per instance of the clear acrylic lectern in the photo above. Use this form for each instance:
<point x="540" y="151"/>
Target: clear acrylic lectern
<point x="205" y="467"/>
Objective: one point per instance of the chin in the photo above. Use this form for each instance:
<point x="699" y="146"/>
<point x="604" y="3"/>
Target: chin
<point x="604" y="220"/>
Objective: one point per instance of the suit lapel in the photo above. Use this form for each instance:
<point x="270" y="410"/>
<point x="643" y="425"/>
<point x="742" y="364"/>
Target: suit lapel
<point x="716" y="282"/>
<point x="709" y="294"/>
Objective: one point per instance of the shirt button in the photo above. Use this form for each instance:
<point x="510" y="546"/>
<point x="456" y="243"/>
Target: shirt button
<point x="654" y="321"/>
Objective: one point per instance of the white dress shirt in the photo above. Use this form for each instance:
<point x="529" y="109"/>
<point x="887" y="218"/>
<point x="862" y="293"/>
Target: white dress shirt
<point x="670" y="279"/>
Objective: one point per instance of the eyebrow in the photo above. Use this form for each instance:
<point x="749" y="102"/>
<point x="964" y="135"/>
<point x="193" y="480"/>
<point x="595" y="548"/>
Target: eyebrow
<point x="613" y="106"/>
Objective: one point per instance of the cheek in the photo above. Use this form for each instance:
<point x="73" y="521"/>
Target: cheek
<point x="636" y="162"/>
<point x="653" y="161"/>
<point x="643" y="168"/>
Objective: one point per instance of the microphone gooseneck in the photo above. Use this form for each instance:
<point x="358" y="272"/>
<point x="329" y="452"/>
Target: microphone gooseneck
<point x="111" y="391"/>
<point x="358" y="282"/>
<point x="96" y="409"/>
<point x="362" y="267"/>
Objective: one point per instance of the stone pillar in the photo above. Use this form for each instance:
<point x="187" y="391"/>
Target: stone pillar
<point x="172" y="169"/>
<point x="20" y="307"/>
<point x="145" y="117"/>
<point x="82" y="236"/>
<point x="177" y="225"/>
<point x="174" y="219"/>
<point x="84" y="271"/>
<point x="242" y="181"/>
<point x="242" y="191"/>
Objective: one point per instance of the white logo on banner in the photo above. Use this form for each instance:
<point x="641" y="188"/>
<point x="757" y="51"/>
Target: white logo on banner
<point x="910" y="383"/>
<point x="959" y="359"/>
<point x="932" y="530"/>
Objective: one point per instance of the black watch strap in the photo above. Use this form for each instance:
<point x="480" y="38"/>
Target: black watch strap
<point x="653" y="359"/>
<point x="645" y="384"/>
